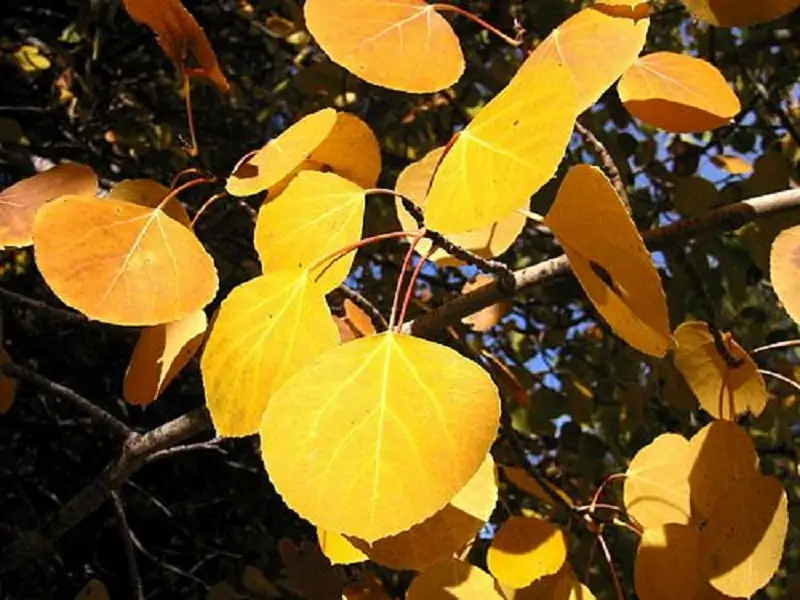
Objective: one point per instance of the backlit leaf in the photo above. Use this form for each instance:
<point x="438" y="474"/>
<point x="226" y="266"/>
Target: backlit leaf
<point x="160" y="354"/>
<point x="742" y="541"/>
<point x="723" y="391"/>
<point x="8" y="385"/>
<point x="526" y="549"/>
<point x="486" y="318"/>
<point x="784" y="265"/>
<point x="266" y="330"/>
<point x="388" y="42"/>
<point x="147" y="192"/>
<point x="656" y="488"/>
<point x="722" y="454"/>
<point x="491" y="241"/>
<point x="610" y="260"/>
<point x="453" y="580"/>
<point x="122" y="263"/>
<point x="30" y="59"/>
<point x="735" y="13"/>
<point x="317" y="214"/>
<point x="678" y="93"/>
<point x="443" y="534"/>
<point x="506" y="153"/>
<point x="19" y="203"/>
<point x="179" y="36"/>
<point x="351" y="150"/>
<point x="339" y="549"/>
<point x="595" y="46"/>
<point x="355" y="323"/>
<point x="668" y="563"/>
<point x="282" y="155"/>
<point x="564" y="585"/>
<point x="379" y="434"/>
<point x="520" y="478"/>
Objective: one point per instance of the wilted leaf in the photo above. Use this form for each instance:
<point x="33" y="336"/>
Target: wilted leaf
<point x="486" y="318"/>
<point x="491" y="241"/>
<point x="266" y="330"/>
<point x="147" y="192"/>
<point x="735" y="165"/>
<point x="723" y="391"/>
<point x="377" y="435"/>
<point x="160" y="354"/>
<point x="282" y="155"/>
<point x="784" y="266"/>
<point x="388" y="42"/>
<point x="742" y="541"/>
<point x="122" y="263"/>
<point x="355" y="323"/>
<point x="8" y="385"/>
<point x="94" y="590"/>
<point x="351" y="150"/>
<point x="20" y="202"/>
<point x="668" y="563"/>
<point x="678" y="93"/>
<point x="656" y="488"/>
<point x="338" y="549"/>
<point x="443" y="534"/>
<point x="316" y="215"/>
<point x="509" y="151"/>
<point x="595" y="46"/>
<point x="610" y="260"/>
<point x="526" y="549"/>
<point x="736" y="13"/>
<point x="453" y="580"/>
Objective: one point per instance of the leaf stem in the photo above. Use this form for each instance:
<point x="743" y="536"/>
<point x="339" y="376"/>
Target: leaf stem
<point x="398" y="290"/>
<point x="611" y="567"/>
<point x="782" y="378"/>
<point x="412" y="282"/>
<point x="206" y="205"/>
<point x="476" y="19"/>
<point x="193" y="150"/>
<point x="776" y="346"/>
<point x="174" y="193"/>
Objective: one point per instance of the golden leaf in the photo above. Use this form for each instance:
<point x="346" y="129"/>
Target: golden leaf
<point x="735" y="13"/>
<point x="526" y="549"/>
<point x="668" y="563"/>
<point x="146" y="192"/>
<point x="351" y="150"/>
<point x="453" y="580"/>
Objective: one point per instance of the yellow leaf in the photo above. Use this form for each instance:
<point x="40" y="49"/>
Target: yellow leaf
<point x="509" y="151"/>
<point x="722" y="454"/>
<point x="30" y="59"/>
<point x="453" y="580"/>
<point x="742" y="542"/>
<point x="443" y="534"/>
<point x="20" y="202"/>
<point x="669" y="563"/>
<point x="339" y="549"/>
<point x="491" y="241"/>
<point x="351" y="150"/>
<point x="526" y="549"/>
<point x="564" y="585"/>
<point x="266" y="330"/>
<point x="379" y="434"/>
<point x="121" y="263"/>
<point x="94" y="590"/>
<point x="355" y="323"/>
<point x="656" y="488"/>
<point x="678" y="93"/>
<point x="610" y="260"/>
<point x="595" y="46"/>
<point x="735" y="165"/>
<point x="390" y="43"/>
<point x="736" y="13"/>
<point x="317" y="214"/>
<point x="147" y="192"/>
<point x="8" y="385"/>
<point x="282" y="155"/>
<point x="723" y="391"/>
<point x="784" y="263"/>
<point x="160" y="354"/>
<point x="486" y="318"/>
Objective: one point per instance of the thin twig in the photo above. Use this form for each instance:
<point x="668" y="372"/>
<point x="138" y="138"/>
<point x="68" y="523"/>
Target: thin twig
<point x="606" y="160"/>
<point x="368" y="307"/>
<point x="776" y="346"/>
<point x="209" y="445"/>
<point x="782" y="378"/>
<point x="127" y="543"/>
<point x="611" y="567"/>
<point x="774" y="105"/>
<point x="60" y="313"/>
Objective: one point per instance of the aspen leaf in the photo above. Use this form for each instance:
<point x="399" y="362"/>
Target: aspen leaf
<point x="179" y="36"/>
<point x="484" y="319"/>
<point x="388" y="42"/>
<point x="93" y="590"/>
<point x="122" y="263"/>
<point x="351" y="150"/>
<point x="668" y="563"/>
<point x="506" y="153"/>
<point x="20" y="202"/>
<point x="355" y="323"/>
<point x="722" y="454"/>
<point x="8" y="385"/>
<point x="160" y="354"/>
<point x="316" y="215"/>
<point x="339" y="549"/>
<point x="610" y="260"/>
<point x="379" y="434"/>
<point x="488" y="242"/>
<point x="146" y="192"/>
<point x="723" y="391"/>
<point x="453" y="580"/>
<point x="443" y="534"/>
<point x="282" y="155"/>
<point x="678" y="93"/>
<point x="526" y="549"/>
<point x="564" y="585"/>
<point x="735" y="165"/>
<point x="631" y="9"/>
<point x="520" y="478"/>
<point x="735" y="13"/>
<point x="596" y="46"/>
<point x="784" y="264"/>
<point x="266" y="330"/>
<point x="742" y="541"/>
<point x="656" y="488"/>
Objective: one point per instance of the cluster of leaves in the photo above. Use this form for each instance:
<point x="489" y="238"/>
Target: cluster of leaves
<point x="381" y="439"/>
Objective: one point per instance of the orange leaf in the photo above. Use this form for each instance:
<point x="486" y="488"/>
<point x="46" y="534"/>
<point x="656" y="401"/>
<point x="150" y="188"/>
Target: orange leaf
<point x="632" y="9"/>
<point x="146" y="192"/>
<point x="595" y="46"/>
<point x="486" y="318"/>
<point x="526" y="549"/>
<point x="678" y="93"/>
<point x="736" y="13"/>
<point x="784" y="263"/>
<point x="735" y="165"/>
<point x="160" y="354"/>
<point x="122" y="263"/>
<point x="19" y="203"/>
<point x="388" y="42"/>
<point x="355" y="323"/>
<point x="351" y="150"/>
<point x="453" y="580"/>
<point x="179" y="36"/>
<point x="8" y="385"/>
<point x="669" y="563"/>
